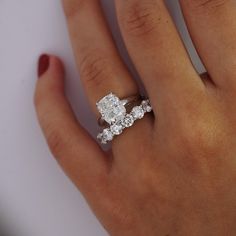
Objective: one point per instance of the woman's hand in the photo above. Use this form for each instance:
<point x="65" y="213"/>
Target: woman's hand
<point x="173" y="173"/>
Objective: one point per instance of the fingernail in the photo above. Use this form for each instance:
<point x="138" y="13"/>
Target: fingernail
<point x="43" y="64"/>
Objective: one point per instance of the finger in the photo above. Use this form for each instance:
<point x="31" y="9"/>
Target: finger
<point x="212" y="26"/>
<point x="156" y="49"/>
<point x="101" y="68"/>
<point x="80" y="157"/>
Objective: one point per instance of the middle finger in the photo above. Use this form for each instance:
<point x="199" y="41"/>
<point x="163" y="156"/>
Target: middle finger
<point x="157" y="51"/>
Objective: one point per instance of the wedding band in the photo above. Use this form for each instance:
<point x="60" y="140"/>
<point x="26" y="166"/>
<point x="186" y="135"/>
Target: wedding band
<point x="114" y="112"/>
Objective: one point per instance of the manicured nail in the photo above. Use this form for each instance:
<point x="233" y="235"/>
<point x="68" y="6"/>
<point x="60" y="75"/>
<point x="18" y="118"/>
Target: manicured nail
<point x="43" y="64"/>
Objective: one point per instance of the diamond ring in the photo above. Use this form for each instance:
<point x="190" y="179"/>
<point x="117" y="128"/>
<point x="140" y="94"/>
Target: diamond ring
<point x="113" y="111"/>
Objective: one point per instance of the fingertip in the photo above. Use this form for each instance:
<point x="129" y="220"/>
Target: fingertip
<point x="43" y="64"/>
<point x="57" y="66"/>
<point x="50" y="64"/>
<point x="50" y="81"/>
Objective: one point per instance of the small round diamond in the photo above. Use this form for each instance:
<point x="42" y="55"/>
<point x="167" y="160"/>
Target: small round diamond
<point x="100" y="136"/>
<point x="128" y="121"/>
<point x="116" y="129"/>
<point x="146" y="106"/>
<point x="138" y="112"/>
<point x="107" y="135"/>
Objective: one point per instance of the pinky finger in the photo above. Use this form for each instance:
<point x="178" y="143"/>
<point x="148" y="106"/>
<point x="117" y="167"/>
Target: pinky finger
<point x="77" y="153"/>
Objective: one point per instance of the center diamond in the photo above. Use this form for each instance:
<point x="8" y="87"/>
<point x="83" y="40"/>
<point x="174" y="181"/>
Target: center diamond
<point x="111" y="108"/>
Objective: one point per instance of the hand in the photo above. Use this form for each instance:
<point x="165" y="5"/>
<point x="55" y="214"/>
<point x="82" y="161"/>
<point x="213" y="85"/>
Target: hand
<point x="173" y="173"/>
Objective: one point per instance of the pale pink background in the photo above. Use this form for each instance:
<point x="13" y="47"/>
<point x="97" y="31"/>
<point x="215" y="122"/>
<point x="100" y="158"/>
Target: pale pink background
<point x="35" y="195"/>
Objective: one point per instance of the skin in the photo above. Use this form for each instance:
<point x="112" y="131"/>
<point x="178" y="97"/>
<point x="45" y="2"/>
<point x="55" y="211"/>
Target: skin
<point x="174" y="172"/>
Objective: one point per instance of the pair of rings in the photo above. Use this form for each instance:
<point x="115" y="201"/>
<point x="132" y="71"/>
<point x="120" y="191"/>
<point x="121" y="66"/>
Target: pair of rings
<point x="118" y="114"/>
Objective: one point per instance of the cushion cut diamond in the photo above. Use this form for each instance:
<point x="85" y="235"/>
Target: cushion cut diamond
<point x="111" y="108"/>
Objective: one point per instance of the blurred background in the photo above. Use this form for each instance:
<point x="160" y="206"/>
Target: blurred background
<point x="36" y="198"/>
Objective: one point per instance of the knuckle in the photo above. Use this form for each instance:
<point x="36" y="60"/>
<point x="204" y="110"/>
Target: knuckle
<point x="200" y="5"/>
<point x="94" y="69"/>
<point x="139" y="18"/>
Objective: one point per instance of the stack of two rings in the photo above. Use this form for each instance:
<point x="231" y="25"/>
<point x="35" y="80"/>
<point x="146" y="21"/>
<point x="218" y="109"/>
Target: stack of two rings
<point x="119" y="114"/>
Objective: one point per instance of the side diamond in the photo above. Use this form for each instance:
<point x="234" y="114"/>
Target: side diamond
<point x="105" y="136"/>
<point x="146" y="106"/>
<point x="138" y="112"/>
<point x="116" y="129"/>
<point x="128" y="121"/>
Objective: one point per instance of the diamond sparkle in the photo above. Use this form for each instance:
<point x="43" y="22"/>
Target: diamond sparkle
<point x="128" y="121"/>
<point x="138" y="112"/>
<point x="111" y="108"/>
<point x="146" y="106"/>
<point x="106" y="136"/>
<point x="113" y="111"/>
<point x="116" y="129"/>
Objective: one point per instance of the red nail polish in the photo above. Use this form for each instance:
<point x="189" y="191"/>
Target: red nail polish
<point x="43" y="64"/>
